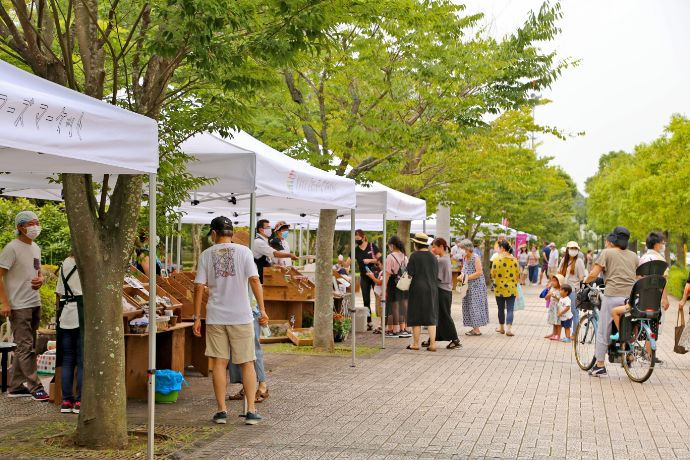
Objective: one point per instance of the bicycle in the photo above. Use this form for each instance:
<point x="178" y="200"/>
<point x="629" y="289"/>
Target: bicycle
<point x="588" y="300"/>
<point x="640" y="326"/>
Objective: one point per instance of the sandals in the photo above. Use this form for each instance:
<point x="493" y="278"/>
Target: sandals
<point x="376" y="331"/>
<point x="239" y="396"/>
<point x="431" y="349"/>
<point x="410" y="347"/>
<point x="425" y="343"/>
<point x="472" y="333"/>
<point x="509" y="333"/>
<point x="500" y="331"/>
<point x="454" y="344"/>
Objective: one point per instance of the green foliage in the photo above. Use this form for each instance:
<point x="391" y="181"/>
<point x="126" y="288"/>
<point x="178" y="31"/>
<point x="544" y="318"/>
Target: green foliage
<point x="647" y="189"/>
<point x="55" y="237"/>
<point x="48" y="300"/>
<point x="677" y="278"/>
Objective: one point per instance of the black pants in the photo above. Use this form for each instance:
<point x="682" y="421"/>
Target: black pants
<point x="366" y="285"/>
<point x="445" y="327"/>
<point x="505" y="303"/>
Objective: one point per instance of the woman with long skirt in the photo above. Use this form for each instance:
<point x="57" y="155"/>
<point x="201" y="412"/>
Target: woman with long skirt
<point x="422" y="306"/>
<point x="445" y="328"/>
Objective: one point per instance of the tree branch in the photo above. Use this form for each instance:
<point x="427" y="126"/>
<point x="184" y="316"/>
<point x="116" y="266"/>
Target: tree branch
<point x="104" y="195"/>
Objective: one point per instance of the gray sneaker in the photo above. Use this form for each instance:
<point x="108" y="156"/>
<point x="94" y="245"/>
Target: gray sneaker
<point x="252" y="418"/>
<point x="220" y="418"/>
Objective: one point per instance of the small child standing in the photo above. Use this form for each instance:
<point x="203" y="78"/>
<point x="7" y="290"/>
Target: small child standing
<point x="553" y="297"/>
<point x="565" y="311"/>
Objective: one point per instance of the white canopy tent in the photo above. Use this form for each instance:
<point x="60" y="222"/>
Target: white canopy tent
<point x="47" y="129"/>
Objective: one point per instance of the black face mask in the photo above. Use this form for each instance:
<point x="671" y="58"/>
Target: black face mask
<point x="358" y="242"/>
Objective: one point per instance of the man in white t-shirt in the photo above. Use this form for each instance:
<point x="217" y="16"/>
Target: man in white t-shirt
<point x="553" y="260"/>
<point x="20" y="280"/>
<point x="227" y="269"/>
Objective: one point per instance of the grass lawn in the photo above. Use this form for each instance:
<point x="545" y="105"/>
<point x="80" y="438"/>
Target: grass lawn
<point x="340" y="350"/>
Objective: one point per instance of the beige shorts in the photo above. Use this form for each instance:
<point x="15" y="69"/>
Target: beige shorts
<point x="238" y="339"/>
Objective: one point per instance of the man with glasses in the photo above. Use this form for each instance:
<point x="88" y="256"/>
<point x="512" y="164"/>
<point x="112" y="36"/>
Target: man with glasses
<point x="263" y="252"/>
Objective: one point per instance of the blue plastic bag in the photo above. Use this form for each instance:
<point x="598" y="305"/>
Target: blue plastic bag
<point x="520" y="300"/>
<point x="168" y="381"/>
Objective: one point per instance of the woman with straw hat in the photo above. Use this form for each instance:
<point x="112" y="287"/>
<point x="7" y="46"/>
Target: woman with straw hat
<point x="573" y="270"/>
<point x="422" y="306"/>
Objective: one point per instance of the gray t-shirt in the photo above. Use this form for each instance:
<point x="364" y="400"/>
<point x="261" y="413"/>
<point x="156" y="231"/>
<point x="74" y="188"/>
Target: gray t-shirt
<point x="619" y="267"/>
<point x="22" y="262"/>
<point x="445" y="274"/>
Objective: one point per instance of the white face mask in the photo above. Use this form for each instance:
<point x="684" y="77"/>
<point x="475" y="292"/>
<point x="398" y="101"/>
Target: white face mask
<point x="573" y="252"/>
<point x="33" y="231"/>
<point x="266" y="232"/>
<point x="662" y="249"/>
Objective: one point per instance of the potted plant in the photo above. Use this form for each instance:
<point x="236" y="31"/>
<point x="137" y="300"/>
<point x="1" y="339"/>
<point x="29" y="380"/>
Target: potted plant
<point x="341" y="327"/>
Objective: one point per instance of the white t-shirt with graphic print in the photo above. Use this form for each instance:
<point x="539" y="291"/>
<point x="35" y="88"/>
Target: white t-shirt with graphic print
<point x="226" y="268"/>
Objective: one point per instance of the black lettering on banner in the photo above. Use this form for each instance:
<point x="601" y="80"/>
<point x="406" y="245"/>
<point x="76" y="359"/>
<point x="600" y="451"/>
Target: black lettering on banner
<point x="20" y="119"/>
<point x="68" y="123"/>
<point x="60" y="119"/>
<point x="3" y="99"/>
<point x="39" y="115"/>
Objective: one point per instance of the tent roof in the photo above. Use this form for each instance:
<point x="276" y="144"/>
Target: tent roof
<point x="243" y="164"/>
<point x="375" y="199"/>
<point x="47" y="128"/>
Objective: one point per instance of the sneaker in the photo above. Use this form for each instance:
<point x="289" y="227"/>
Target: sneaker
<point x="391" y="334"/>
<point x="598" y="371"/>
<point x="615" y="337"/>
<point x="404" y="335"/>
<point x="22" y="393"/>
<point x="252" y="418"/>
<point x="658" y="361"/>
<point x="220" y="418"/>
<point x="565" y="340"/>
<point x="66" y="407"/>
<point x="76" y="408"/>
<point x="39" y="395"/>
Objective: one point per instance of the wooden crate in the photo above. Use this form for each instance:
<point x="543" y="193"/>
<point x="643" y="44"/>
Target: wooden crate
<point x="275" y="339"/>
<point x="300" y="341"/>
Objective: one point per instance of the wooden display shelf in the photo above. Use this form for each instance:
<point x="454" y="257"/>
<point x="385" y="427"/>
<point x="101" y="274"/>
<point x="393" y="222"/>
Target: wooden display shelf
<point x="170" y="354"/>
<point x="284" y="309"/>
<point x="287" y="283"/>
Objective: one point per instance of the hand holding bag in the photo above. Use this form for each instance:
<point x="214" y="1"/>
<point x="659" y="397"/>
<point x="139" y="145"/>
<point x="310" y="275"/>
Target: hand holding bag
<point x="461" y="287"/>
<point x="680" y="327"/>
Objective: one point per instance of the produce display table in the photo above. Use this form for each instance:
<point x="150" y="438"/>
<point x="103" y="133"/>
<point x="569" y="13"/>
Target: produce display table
<point x="170" y="354"/>
<point x="284" y="309"/>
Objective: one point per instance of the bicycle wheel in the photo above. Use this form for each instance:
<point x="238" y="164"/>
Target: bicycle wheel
<point x="638" y="360"/>
<point x="585" y="338"/>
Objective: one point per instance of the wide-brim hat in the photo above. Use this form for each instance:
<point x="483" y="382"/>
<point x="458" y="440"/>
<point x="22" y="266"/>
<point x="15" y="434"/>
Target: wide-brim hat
<point x="560" y="278"/>
<point x="281" y="224"/>
<point x="619" y="236"/>
<point x="572" y="245"/>
<point x="421" y="238"/>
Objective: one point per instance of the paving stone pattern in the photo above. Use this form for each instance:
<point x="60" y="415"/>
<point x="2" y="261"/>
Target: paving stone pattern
<point x="496" y="397"/>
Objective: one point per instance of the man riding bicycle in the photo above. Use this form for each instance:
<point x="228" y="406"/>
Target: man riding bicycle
<point x="617" y="265"/>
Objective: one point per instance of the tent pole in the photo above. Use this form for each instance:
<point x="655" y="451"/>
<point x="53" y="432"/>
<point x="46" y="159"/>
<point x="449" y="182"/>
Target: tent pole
<point x="353" y="283"/>
<point x="152" y="318"/>
<point x="424" y="225"/>
<point x="179" y="246"/>
<point x="300" y="242"/>
<point x="165" y="254"/>
<point x="252" y="219"/>
<point x="383" y="286"/>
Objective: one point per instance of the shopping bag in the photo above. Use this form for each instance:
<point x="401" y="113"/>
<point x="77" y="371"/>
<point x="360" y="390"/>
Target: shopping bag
<point x="519" y="300"/>
<point x="680" y="327"/>
<point x="404" y="282"/>
<point x="461" y="288"/>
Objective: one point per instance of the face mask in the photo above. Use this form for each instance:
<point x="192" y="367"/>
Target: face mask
<point x="33" y="231"/>
<point x="284" y="234"/>
<point x="358" y="242"/>
<point x="662" y="249"/>
<point x="266" y="232"/>
<point x="573" y="252"/>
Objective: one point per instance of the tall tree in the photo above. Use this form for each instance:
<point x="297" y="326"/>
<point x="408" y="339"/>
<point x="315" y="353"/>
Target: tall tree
<point x="398" y="87"/>
<point x="144" y="56"/>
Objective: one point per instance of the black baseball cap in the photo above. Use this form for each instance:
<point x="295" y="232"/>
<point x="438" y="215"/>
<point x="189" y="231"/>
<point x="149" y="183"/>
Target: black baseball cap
<point x="221" y="224"/>
<point x="620" y="237"/>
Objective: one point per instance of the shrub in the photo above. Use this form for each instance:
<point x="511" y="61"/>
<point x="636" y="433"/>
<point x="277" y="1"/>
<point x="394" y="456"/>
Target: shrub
<point x="676" y="281"/>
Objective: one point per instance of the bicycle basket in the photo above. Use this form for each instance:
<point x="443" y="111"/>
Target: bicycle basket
<point x="583" y="299"/>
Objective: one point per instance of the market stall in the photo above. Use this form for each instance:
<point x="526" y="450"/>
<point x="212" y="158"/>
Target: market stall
<point x="251" y="176"/>
<point x="47" y="129"/>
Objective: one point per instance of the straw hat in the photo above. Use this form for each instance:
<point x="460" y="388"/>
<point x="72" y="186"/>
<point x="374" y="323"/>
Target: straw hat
<point x="421" y="238"/>
<point x="572" y="245"/>
<point x="560" y="278"/>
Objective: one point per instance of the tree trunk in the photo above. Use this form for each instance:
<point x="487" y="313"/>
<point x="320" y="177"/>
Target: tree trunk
<point x="102" y="247"/>
<point x="404" y="227"/>
<point x="196" y="244"/>
<point x="323" y="306"/>
<point x="680" y="252"/>
<point x="486" y="261"/>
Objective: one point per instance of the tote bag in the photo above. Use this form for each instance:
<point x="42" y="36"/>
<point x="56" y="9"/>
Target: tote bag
<point x="520" y="300"/>
<point x="680" y="328"/>
<point x="404" y="282"/>
<point x="461" y="287"/>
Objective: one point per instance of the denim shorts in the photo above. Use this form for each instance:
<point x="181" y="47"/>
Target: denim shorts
<point x="567" y="324"/>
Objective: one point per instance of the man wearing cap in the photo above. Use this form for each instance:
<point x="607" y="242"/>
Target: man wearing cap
<point x="279" y="242"/>
<point x="20" y="280"/>
<point x="618" y="265"/>
<point x="264" y="254"/>
<point x="226" y="268"/>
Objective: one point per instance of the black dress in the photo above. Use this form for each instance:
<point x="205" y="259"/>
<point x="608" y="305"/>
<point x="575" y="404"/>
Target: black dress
<point x="422" y="306"/>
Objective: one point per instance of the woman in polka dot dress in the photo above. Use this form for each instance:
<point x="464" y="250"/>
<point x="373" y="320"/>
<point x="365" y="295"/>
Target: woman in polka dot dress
<point x="475" y="306"/>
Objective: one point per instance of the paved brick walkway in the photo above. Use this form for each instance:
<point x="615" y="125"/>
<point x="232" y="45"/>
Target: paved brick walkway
<point x="497" y="397"/>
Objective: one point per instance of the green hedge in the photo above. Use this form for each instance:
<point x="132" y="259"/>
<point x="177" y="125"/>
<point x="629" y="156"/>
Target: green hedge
<point x="676" y="281"/>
